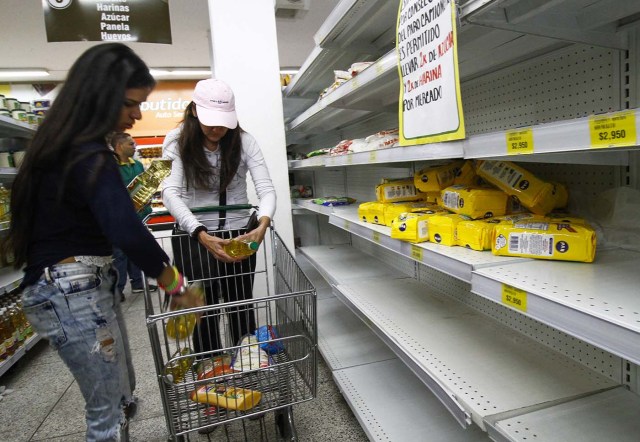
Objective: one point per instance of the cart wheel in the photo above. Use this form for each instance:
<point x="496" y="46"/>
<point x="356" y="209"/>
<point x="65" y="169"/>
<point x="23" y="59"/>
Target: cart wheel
<point x="284" y="424"/>
<point x="176" y="439"/>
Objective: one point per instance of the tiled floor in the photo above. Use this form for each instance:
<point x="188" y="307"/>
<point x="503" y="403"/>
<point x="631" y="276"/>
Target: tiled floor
<point x="46" y="404"/>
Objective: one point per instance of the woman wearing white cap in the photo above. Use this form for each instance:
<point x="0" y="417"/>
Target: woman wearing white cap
<point x="211" y="157"/>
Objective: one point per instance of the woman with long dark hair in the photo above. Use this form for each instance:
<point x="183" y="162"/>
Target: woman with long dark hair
<point x="211" y="157"/>
<point x="69" y="208"/>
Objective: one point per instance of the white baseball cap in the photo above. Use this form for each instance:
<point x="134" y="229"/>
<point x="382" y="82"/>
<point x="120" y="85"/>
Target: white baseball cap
<point x="215" y="103"/>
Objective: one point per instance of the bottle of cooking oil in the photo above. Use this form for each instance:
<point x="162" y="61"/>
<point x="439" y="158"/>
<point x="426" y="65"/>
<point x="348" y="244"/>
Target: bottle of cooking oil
<point x="14" y="317"/>
<point x="241" y="248"/>
<point x="178" y="368"/>
<point x="142" y="187"/>
<point x="5" y="199"/>
<point x="10" y="337"/>
<point x="4" y="337"/>
<point x="27" y="329"/>
<point x="181" y="326"/>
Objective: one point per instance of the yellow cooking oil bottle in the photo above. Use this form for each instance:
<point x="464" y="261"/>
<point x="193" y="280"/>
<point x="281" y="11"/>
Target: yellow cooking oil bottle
<point x="142" y="187"/>
<point x="241" y="248"/>
<point x="181" y="326"/>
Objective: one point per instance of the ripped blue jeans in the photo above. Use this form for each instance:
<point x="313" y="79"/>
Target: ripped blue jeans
<point x="74" y="307"/>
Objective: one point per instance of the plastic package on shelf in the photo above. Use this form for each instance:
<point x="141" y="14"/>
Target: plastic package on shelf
<point x="474" y="202"/>
<point x="535" y="194"/>
<point x="397" y="189"/>
<point x="541" y="239"/>
<point x="434" y="179"/>
<point x="413" y="226"/>
<point x="443" y="228"/>
<point x="392" y="210"/>
<point x="333" y="201"/>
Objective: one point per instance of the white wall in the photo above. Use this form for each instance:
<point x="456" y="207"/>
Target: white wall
<point x="245" y="55"/>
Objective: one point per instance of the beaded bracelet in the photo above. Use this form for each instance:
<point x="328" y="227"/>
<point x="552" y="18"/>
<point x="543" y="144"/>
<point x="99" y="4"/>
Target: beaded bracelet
<point x="177" y="286"/>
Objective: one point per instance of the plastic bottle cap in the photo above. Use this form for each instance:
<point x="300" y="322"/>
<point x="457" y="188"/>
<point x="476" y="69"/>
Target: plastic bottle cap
<point x="254" y="245"/>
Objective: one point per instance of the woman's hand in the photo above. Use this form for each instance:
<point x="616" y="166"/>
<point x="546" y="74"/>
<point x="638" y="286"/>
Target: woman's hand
<point x="257" y="234"/>
<point x="215" y="246"/>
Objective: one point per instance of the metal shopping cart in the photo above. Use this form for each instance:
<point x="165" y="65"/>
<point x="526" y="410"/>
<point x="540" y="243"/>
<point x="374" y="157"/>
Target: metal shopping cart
<point x="246" y="357"/>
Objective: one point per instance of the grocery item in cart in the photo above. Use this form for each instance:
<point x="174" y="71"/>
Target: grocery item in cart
<point x="237" y="248"/>
<point x="224" y="396"/>
<point x="178" y="366"/>
<point x="214" y="367"/>
<point x="181" y="326"/>
<point x="249" y="356"/>
<point x="474" y="202"/>
<point x="535" y="194"/>
<point x="269" y="339"/>
<point x="545" y="240"/>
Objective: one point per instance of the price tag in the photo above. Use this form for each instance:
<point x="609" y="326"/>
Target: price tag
<point x="520" y="141"/>
<point x="373" y="156"/>
<point x="514" y="297"/>
<point x="379" y="68"/>
<point x="613" y="130"/>
<point x="347" y="225"/>
<point x="354" y="83"/>
<point x="376" y="236"/>
<point x="350" y="158"/>
<point x="416" y="253"/>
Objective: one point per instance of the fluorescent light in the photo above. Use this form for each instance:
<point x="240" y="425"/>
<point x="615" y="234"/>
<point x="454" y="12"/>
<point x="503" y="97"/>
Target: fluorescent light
<point x="168" y="72"/>
<point x="19" y="73"/>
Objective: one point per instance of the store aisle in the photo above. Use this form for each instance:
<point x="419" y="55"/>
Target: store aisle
<point x="46" y="404"/>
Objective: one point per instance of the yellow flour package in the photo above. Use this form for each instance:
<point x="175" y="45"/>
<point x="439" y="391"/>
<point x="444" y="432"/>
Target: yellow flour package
<point x="434" y="179"/>
<point x="430" y="197"/>
<point x="545" y="240"/>
<point x="393" y="190"/>
<point x="560" y="196"/>
<point x="474" y="202"/>
<point x="535" y="194"/>
<point x="477" y="234"/>
<point x="413" y="226"/>
<point x="442" y="228"/>
<point x="467" y="175"/>
<point x="392" y="210"/>
<point x="560" y="217"/>
<point x="371" y="212"/>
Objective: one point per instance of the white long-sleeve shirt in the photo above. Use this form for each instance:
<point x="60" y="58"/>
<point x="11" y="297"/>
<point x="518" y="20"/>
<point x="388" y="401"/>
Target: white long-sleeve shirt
<point x="178" y="200"/>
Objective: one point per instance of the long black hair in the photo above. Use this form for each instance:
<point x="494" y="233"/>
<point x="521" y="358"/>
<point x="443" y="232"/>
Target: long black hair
<point x="86" y="109"/>
<point x="198" y="172"/>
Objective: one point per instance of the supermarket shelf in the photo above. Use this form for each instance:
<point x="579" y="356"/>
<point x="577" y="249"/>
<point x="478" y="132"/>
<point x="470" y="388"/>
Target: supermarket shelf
<point x="391" y="404"/>
<point x="305" y="203"/>
<point x="11" y="128"/>
<point x="595" y="302"/>
<point x="422" y="152"/>
<point x="387" y="398"/>
<point x="610" y="415"/>
<point x="458" y="262"/>
<point x="558" y="137"/>
<point x="8" y="172"/>
<point x="20" y="352"/>
<point x="9" y="279"/>
<point x="339" y="264"/>
<point x="477" y="367"/>
<point x="344" y="340"/>
<point x="318" y="161"/>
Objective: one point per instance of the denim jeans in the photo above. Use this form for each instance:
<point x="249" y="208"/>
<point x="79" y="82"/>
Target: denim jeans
<point x="74" y="307"/>
<point x="125" y="266"/>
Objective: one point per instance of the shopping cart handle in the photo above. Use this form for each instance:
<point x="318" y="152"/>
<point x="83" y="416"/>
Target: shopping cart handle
<point x="209" y="209"/>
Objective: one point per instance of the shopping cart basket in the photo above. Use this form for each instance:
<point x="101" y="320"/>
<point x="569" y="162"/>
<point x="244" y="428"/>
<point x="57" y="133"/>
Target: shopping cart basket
<point x="270" y="368"/>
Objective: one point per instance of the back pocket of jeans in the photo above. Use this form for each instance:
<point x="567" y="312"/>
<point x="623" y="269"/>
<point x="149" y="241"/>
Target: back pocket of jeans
<point x="78" y="284"/>
<point x="44" y="318"/>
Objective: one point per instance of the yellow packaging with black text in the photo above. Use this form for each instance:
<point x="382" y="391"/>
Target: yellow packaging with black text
<point x="559" y="217"/>
<point x="474" y="202"/>
<point x="535" y="194"/>
<point x="560" y="196"/>
<point x="477" y="234"/>
<point x="371" y="212"/>
<point x="392" y="210"/>
<point x="434" y="179"/>
<point x="467" y="176"/>
<point x="545" y="240"/>
<point x="413" y="226"/>
<point x="443" y="228"/>
<point x="430" y="197"/>
<point x="393" y="190"/>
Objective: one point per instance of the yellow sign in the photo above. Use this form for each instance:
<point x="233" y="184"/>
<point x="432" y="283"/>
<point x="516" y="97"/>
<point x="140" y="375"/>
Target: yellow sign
<point x="613" y="130"/>
<point x="519" y="141"/>
<point x="430" y="104"/>
<point x="514" y="297"/>
<point x="373" y="156"/>
<point x="416" y="253"/>
<point x="376" y="236"/>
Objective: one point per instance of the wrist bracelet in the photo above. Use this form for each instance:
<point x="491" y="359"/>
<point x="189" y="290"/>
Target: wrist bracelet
<point x="180" y="288"/>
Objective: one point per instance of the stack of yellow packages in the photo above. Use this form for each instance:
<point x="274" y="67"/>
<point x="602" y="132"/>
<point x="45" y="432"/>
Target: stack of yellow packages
<point x="394" y="196"/>
<point x="414" y="226"/>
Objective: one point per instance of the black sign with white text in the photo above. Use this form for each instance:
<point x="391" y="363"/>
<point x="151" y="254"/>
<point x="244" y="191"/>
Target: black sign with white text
<point x="107" y="20"/>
